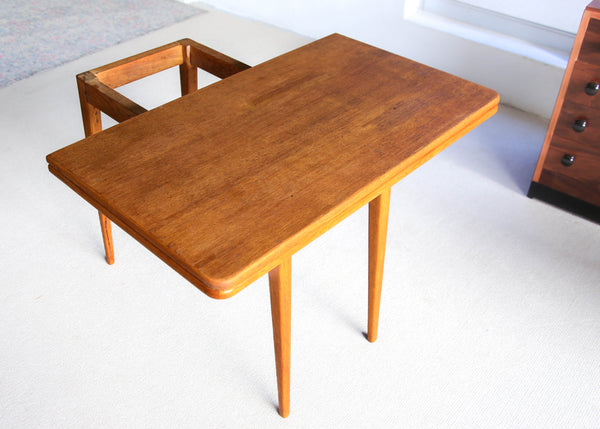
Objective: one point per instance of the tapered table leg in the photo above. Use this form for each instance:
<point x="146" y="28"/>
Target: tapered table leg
<point x="92" y="124"/>
<point x="107" y="238"/>
<point x="378" y="220"/>
<point x="280" y="281"/>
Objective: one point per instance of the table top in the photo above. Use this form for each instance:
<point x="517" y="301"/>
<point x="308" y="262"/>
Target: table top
<point x="225" y="183"/>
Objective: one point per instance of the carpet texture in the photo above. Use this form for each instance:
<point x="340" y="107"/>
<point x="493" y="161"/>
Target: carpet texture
<point x="36" y="35"/>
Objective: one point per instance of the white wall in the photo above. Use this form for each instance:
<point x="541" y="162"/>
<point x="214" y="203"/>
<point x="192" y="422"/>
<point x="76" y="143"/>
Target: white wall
<point x="521" y="81"/>
<point x="561" y="14"/>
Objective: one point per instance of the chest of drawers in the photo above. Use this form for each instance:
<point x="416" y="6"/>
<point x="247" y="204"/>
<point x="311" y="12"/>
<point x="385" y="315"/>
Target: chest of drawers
<point x="568" y="169"/>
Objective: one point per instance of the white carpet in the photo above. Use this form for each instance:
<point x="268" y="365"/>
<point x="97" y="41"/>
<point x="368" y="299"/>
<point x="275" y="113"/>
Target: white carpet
<point x="490" y="309"/>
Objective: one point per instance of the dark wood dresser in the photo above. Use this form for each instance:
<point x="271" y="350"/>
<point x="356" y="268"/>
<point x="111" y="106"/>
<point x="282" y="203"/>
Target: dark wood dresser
<point x="568" y="169"/>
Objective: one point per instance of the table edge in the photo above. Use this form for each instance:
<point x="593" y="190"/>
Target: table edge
<point x="221" y="288"/>
<point x="352" y="204"/>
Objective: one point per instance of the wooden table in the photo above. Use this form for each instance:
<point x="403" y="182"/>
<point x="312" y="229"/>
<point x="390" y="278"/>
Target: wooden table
<point x="227" y="183"/>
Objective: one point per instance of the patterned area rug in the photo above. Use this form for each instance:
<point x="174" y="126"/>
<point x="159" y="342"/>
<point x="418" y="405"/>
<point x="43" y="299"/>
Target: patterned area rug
<point x="36" y="35"/>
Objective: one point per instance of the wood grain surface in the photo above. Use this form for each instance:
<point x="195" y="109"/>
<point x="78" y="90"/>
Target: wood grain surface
<point x="226" y="182"/>
<point x="581" y="180"/>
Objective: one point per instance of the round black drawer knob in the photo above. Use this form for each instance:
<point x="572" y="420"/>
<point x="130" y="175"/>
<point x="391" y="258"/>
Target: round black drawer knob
<point x="592" y="88"/>
<point x="579" y="125"/>
<point x="567" y="160"/>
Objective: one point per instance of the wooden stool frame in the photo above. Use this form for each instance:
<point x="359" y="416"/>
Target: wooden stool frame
<point x="97" y="90"/>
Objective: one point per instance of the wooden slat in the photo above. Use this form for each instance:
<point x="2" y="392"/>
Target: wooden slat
<point x="214" y="62"/>
<point x="141" y="65"/>
<point x="109" y="101"/>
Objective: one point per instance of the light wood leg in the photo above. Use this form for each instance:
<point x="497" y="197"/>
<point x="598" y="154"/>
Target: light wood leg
<point x="92" y="124"/>
<point x="280" y="281"/>
<point x="378" y="220"/>
<point x="188" y="75"/>
<point x="92" y="120"/>
<point x="107" y="238"/>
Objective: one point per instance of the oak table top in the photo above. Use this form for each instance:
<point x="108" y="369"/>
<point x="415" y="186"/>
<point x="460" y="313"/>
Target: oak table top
<point x="226" y="183"/>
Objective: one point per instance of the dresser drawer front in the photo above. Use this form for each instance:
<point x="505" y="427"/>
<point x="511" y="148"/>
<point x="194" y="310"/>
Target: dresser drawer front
<point x="570" y="159"/>
<point x="590" y="47"/>
<point x="587" y="120"/>
<point x="581" y="179"/>
<point x="584" y="86"/>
